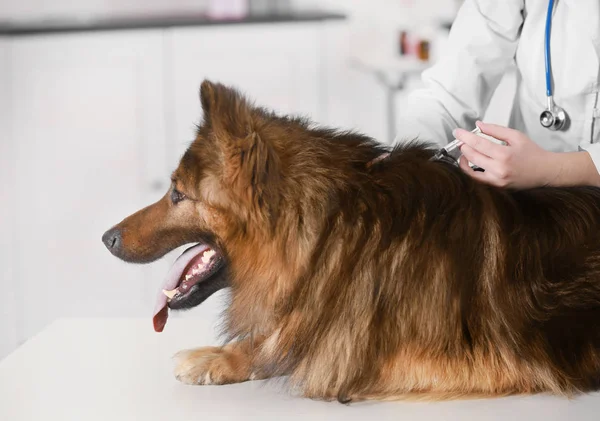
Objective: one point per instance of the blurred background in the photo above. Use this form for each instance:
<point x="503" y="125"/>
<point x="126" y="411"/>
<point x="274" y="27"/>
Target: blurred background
<point x="98" y="100"/>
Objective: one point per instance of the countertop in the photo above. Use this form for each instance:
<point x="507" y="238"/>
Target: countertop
<point x="162" y="21"/>
<point x="119" y="369"/>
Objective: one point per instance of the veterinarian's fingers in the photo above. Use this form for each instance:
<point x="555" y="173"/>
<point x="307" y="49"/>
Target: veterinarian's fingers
<point x="495" y="173"/>
<point x="477" y="175"/>
<point x="506" y="134"/>
<point x="481" y="145"/>
<point x="484" y="177"/>
<point x="477" y="157"/>
<point x="463" y="163"/>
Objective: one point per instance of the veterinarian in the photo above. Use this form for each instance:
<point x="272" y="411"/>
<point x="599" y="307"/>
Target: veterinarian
<point x="488" y="36"/>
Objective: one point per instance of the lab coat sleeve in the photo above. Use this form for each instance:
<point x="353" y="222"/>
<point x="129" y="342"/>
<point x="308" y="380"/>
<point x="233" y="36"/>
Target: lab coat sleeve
<point x="458" y="88"/>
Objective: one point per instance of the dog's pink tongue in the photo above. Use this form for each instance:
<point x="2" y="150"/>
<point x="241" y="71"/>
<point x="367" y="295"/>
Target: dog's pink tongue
<point x="161" y="309"/>
<point x="160" y="319"/>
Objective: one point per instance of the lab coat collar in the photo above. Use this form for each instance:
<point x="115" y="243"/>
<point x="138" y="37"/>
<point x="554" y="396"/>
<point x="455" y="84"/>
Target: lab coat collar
<point x="588" y="13"/>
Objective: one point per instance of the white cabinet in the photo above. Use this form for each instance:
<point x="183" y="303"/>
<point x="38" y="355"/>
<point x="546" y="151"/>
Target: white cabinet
<point x="89" y="143"/>
<point x="277" y="66"/>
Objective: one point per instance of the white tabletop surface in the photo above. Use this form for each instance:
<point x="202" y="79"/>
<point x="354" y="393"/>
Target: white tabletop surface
<point x="113" y="369"/>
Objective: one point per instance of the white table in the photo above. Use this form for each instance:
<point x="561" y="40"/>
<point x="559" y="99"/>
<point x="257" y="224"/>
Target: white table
<point x="99" y="369"/>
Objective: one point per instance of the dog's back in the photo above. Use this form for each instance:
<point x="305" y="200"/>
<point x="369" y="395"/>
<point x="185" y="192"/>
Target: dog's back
<point x="428" y="282"/>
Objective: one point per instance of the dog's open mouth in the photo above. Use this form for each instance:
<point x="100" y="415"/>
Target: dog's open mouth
<point x="196" y="275"/>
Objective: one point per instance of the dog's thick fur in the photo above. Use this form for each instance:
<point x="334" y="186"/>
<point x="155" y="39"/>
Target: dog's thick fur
<point x="367" y="279"/>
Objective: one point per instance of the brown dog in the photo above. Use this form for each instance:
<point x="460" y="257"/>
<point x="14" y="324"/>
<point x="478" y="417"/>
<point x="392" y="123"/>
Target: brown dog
<point x="363" y="275"/>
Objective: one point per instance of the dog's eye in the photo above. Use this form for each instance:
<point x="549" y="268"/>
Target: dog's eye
<point x="176" y="196"/>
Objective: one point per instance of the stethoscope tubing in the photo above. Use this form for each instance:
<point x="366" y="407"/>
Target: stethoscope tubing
<point x="547" y="62"/>
<point x="553" y="117"/>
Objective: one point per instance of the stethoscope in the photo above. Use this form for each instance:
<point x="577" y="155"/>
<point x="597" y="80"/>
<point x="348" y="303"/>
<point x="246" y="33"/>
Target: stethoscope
<point x="553" y="117"/>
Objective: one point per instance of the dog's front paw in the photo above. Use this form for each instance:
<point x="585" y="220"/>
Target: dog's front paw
<point x="210" y="365"/>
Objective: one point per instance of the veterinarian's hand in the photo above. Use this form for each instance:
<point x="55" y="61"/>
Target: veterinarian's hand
<point x="519" y="164"/>
<point x="522" y="163"/>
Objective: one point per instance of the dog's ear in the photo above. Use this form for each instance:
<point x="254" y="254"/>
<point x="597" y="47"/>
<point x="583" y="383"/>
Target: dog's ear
<point x="207" y="97"/>
<point x="249" y="164"/>
<point x="226" y="111"/>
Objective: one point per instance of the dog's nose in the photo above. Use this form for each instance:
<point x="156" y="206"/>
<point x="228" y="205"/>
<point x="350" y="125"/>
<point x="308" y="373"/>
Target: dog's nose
<point x="112" y="240"/>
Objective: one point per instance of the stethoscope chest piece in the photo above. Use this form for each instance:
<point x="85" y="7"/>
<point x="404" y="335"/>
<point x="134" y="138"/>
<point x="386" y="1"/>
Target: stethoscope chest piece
<point x="553" y="117"/>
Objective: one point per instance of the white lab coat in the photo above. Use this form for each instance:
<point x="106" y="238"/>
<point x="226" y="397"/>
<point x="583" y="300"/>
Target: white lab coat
<point x="488" y="37"/>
